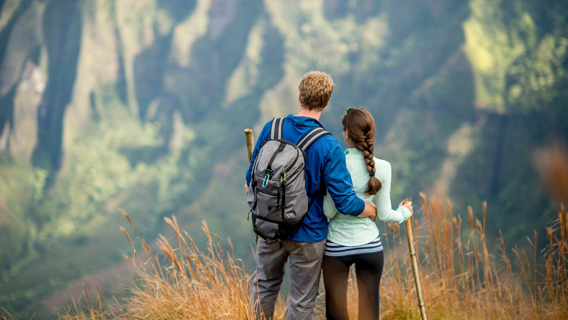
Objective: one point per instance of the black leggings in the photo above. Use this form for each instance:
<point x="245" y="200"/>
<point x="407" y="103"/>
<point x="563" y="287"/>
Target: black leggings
<point x="368" y="269"/>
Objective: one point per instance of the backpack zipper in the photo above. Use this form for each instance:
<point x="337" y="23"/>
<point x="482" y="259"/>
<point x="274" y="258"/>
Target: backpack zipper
<point x="283" y="201"/>
<point x="267" y="192"/>
<point x="294" y="175"/>
<point x="293" y="162"/>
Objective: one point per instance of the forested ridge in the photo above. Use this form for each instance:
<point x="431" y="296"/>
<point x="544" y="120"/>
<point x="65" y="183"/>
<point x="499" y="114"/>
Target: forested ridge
<point x="140" y="105"/>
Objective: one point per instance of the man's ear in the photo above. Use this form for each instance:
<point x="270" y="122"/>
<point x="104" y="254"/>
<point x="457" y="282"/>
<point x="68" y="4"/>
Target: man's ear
<point x="299" y="97"/>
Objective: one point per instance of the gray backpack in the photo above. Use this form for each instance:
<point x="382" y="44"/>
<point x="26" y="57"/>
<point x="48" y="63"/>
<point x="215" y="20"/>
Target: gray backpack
<point x="277" y="194"/>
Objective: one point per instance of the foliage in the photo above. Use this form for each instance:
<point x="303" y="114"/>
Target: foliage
<point x="518" y="53"/>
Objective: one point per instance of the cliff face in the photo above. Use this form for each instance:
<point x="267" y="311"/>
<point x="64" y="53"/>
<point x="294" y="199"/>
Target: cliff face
<point x="140" y="104"/>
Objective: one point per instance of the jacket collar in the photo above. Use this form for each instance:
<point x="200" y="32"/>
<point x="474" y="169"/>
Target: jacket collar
<point x="352" y="151"/>
<point x="305" y="121"/>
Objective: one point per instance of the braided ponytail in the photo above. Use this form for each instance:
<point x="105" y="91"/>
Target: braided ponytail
<point x="360" y="127"/>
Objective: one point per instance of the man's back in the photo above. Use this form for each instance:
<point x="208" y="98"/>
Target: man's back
<point x="325" y="167"/>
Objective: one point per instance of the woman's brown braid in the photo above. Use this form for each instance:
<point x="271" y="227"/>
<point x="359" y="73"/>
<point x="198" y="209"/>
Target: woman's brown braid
<point x="360" y="127"/>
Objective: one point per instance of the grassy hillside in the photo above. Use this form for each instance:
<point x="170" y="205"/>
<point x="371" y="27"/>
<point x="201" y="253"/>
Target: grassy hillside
<point x="140" y="105"/>
<point x="460" y="279"/>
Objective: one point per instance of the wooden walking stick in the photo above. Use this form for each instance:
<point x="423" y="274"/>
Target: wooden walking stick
<point x="250" y="147"/>
<point x="250" y="142"/>
<point x="412" y="252"/>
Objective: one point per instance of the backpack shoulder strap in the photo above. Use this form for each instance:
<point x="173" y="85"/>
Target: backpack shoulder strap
<point x="311" y="137"/>
<point x="277" y="128"/>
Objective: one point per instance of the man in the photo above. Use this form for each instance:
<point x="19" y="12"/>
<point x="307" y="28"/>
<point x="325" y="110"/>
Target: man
<point x="325" y="167"/>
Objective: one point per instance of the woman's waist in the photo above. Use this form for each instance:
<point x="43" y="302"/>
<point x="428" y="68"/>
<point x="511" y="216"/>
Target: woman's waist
<point x="338" y="249"/>
<point x="347" y="232"/>
<point x="346" y="220"/>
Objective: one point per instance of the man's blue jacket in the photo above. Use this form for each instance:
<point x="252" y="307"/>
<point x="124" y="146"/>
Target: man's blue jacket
<point x="325" y="165"/>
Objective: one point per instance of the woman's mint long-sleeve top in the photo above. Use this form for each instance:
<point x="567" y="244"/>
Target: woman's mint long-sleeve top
<point x="353" y="231"/>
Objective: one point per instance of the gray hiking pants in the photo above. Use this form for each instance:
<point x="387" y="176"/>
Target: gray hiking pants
<point x="305" y="269"/>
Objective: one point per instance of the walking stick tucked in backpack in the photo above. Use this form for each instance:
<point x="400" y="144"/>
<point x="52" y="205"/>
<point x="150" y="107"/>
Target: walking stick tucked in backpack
<point x="250" y="147"/>
<point x="250" y="143"/>
<point x="412" y="252"/>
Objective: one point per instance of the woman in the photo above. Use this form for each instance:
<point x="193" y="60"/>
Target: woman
<point x="353" y="240"/>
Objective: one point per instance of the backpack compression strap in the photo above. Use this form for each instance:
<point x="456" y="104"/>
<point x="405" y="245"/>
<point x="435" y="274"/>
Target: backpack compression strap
<point x="311" y="137"/>
<point x="277" y="129"/>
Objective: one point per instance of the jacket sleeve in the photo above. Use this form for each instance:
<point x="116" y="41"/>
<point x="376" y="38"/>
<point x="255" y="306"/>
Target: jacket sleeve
<point x="338" y="183"/>
<point x="383" y="202"/>
<point x="264" y="136"/>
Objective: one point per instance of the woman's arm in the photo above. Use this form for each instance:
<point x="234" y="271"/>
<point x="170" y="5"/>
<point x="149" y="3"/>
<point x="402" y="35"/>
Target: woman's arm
<point x="383" y="202"/>
<point x="329" y="206"/>
<point x="338" y="182"/>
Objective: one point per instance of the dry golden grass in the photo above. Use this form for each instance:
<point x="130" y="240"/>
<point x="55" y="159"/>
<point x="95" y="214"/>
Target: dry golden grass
<point x="194" y="284"/>
<point x="5" y="315"/>
<point x="460" y="278"/>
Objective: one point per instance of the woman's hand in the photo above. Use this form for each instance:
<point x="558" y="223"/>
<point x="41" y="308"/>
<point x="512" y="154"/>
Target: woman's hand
<point x="407" y="204"/>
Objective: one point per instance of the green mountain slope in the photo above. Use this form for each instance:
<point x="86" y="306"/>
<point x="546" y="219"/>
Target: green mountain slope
<point x="140" y="105"/>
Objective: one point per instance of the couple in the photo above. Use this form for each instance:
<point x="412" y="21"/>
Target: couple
<point x="338" y="229"/>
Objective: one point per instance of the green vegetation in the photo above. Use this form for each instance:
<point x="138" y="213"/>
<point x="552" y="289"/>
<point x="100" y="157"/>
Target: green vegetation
<point x="149" y="117"/>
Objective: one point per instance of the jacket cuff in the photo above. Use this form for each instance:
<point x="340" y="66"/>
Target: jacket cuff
<point x="359" y="208"/>
<point x="405" y="213"/>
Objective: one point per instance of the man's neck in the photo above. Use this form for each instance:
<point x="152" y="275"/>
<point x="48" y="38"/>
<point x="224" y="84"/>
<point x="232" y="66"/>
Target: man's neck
<point x="309" y="113"/>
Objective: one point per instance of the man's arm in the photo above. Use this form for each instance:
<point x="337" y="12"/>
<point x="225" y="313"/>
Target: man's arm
<point x="330" y="210"/>
<point x="369" y="212"/>
<point x="340" y="187"/>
